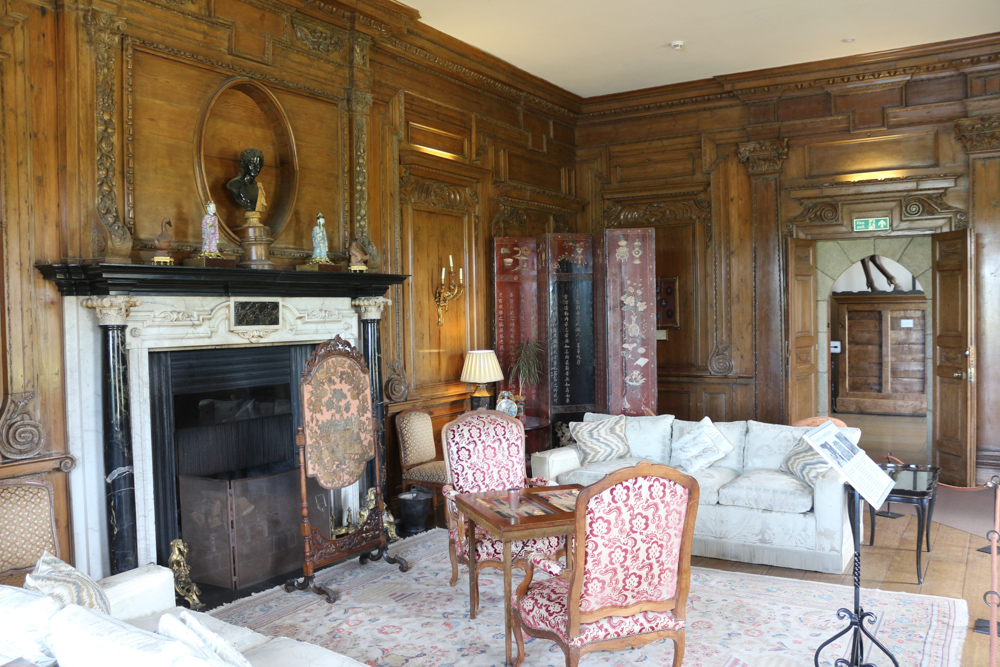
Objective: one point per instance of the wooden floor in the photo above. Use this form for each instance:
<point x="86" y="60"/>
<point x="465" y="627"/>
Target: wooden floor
<point x="953" y="568"/>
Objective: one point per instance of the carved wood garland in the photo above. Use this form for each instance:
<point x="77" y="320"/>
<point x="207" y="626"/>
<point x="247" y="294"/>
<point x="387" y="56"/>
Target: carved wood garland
<point x="436" y="194"/>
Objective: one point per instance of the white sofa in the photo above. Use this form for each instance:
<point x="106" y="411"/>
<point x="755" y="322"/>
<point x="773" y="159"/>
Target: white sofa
<point x="43" y="630"/>
<point x="749" y="510"/>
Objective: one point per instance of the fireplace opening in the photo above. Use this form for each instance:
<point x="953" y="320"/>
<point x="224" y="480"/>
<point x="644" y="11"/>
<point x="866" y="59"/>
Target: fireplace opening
<point x="225" y="464"/>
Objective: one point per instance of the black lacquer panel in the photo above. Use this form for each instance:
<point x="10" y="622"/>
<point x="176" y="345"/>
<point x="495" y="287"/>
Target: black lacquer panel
<point x="256" y="313"/>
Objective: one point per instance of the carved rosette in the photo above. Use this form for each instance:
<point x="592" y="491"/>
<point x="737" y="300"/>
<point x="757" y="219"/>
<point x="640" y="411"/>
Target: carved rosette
<point x="510" y="221"/>
<point x="371" y="307"/>
<point x="104" y="33"/>
<point x="397" y="388"/>
<point x="21" y="437"/>
<point x="979" y="134"/>
<point x="112" y="310"/>
<point x="765" y="157"/>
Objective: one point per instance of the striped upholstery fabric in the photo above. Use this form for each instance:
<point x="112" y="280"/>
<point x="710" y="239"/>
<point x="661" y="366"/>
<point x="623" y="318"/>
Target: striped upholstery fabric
<point x="804" y="463"/>
<point x="601" y="440"/>
<point x="67" y="584"/>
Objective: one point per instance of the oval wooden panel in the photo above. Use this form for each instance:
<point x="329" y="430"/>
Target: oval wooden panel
<point x="243" y="114"/>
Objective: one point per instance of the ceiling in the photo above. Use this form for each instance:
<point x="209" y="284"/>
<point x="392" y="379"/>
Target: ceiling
<point x="598" y="47"/>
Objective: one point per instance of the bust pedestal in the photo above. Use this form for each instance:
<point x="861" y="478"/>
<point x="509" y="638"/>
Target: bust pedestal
<point x="255" y="239"/>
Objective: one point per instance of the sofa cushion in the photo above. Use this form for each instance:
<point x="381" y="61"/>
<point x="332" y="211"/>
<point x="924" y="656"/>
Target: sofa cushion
<point x="648" y="437"/>
<point x="24" y="624"/>
<point x="768" y="490"/>
<point x="595" y="472"/>
<point x="700" y="448"/>
<point x="82" y="637"/>
<point x="242" y="639"/>
<point x="804" y="463"/>
<point x="769" y="444"/>
<point x="735" y="432"/>
<point x="600" y="440"/>
<point x="710" y="480"/>
<point x="283" y="652"/>
<point x="752" y="528"/>
<point x="189" y="630"/>
<point x="67" y="584"/>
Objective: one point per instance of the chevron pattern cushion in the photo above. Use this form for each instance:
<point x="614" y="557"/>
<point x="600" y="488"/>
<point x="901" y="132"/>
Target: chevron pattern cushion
<point x="67" y="584"/>
<point x="601" y="440"/>
<point x="804" y="463"/>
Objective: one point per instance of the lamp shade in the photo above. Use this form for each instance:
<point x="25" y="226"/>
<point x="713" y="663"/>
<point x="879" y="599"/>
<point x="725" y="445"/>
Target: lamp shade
<point x="481" y="366"/>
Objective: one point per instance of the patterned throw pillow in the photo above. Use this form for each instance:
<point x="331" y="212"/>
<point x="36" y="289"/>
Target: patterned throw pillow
<point x="67" y="584"/>
<point x="804" y="463"/>
<point x="700" y="448"/>
<point x="601" y="440"/>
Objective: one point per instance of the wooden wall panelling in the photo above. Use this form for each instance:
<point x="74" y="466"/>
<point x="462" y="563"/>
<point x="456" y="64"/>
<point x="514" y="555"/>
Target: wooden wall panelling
<point x="720" y="398"/>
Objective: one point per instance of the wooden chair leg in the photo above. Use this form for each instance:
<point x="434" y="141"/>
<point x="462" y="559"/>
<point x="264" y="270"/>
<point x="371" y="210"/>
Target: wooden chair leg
<point x="679" y="649"/>
<point x="572" y="656"/>
<point x="454" y="562"/>
<point x="519" y="636"/>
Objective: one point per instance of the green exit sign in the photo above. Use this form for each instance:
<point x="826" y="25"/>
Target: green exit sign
<point x="870" y="224"/>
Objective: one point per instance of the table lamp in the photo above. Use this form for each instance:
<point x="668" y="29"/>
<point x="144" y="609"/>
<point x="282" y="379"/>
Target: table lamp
<point x="481" y="366"/>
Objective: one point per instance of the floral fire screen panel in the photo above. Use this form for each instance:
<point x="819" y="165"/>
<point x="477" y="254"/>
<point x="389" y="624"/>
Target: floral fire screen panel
<point x="337" y="419"/>
<point x="630" y="285"/>
<point x="569" y="321"/>
<point x="516" y="269"/>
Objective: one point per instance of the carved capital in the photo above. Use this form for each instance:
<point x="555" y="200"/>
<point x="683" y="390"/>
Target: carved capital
<point x="371" y="307"/>
<point x="361" y="101"/>
<point x="21" y="437"/>
<point x="763" y="158"/>
<point x="979" y="134"/>
<point x="111" y="310"/>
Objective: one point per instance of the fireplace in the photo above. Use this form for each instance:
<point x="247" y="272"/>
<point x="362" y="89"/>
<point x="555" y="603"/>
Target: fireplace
<point x="174" y="310"/>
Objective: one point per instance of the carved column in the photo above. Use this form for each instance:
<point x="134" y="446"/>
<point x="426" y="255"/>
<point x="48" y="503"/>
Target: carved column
<point x="370" y="309"/>
<point x="361" y="103"/>
<point x="119" y="476"/>
<point x="981" y="137"/>
<point x="763" y="160"/>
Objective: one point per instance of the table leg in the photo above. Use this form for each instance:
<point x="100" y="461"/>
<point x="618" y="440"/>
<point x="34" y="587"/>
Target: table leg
<point x="871" y="530"/>
<point x="920" y="538"/>
<point x="473" y="571"/>
<point x="930" y="513"/>
<point x="508" y="611"/>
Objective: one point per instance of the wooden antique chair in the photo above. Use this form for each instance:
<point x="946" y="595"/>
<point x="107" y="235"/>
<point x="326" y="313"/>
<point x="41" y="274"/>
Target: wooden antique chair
<point x="631" y="568"/>
<point x="421" y="464"/>
<point x="27" y="526"/>
<point x="484" y="451"/>
<point x="336" y="441"/>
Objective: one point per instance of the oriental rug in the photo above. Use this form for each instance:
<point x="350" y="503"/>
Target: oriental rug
<point x="385" y="617"/>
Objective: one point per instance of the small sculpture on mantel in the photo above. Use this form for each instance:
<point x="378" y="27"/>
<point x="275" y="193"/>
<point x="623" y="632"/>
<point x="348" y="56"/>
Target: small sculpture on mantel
<point x="359" y="258"/>
<point x="320" y="244"/>
<point x="162" y="244"/>
<point x="247" y="192"/>
<point x="210" y="233"/>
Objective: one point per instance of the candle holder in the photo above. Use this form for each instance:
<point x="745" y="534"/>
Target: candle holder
<point x="443" y="295"/>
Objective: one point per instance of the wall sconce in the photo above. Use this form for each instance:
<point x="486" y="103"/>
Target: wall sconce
<point x="442" y="296"/>
<point x="481" y="367"/>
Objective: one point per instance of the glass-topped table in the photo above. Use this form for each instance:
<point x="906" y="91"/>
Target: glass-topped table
<point x="915" y="485"/>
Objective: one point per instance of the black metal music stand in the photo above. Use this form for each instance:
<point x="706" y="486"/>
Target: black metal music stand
<point x="857" y="617"/>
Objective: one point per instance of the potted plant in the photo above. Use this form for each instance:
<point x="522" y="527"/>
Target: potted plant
<point x="526" y="368"/>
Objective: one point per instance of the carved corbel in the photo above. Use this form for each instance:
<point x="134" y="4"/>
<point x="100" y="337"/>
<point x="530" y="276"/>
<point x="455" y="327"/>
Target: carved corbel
<point x="112" y="310"/>
<point x="765" y="157"/>
<point x="980" y="134"/>
<point x="397" y="387"/>
<point x="21" y="437"/>
<point x="510" y="221"/>
<point x="112" y="240"/>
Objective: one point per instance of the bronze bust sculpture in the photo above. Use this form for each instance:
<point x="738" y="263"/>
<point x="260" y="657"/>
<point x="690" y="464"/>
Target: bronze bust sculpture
<point x="247" y="192"/>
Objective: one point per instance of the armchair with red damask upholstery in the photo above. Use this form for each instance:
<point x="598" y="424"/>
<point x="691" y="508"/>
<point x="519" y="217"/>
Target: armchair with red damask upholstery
<point x="632" y="568"/>
<point x="484" y="451"/>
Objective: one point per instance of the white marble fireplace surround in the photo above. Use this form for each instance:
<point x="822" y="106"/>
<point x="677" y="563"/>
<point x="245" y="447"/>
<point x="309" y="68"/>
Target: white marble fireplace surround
<point x="158" y="323"/>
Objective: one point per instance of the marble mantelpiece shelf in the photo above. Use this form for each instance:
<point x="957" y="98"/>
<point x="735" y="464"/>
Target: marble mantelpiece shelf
<point x="139" y="279"/>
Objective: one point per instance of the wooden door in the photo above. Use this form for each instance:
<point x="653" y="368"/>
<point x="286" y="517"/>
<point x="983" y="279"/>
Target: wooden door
<point x="802" y="374"/>
<point x="954" y="358"/>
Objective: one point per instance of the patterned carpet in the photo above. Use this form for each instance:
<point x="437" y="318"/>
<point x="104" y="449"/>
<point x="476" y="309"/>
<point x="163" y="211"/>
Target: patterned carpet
<point x="386" y="617"/>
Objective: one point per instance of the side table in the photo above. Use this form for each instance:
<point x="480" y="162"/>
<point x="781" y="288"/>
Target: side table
<point x="537" y="436"/>
<point x="915" y="485"/>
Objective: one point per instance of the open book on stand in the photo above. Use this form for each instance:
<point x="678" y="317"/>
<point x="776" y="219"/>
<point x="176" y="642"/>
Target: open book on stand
<point x="853" y="464"/>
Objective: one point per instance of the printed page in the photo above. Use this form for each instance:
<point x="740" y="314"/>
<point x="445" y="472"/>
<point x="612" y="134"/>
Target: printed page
<point x="853" y="464"/>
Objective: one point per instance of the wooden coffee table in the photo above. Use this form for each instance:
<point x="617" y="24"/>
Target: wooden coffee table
<point x="543" y="511"/>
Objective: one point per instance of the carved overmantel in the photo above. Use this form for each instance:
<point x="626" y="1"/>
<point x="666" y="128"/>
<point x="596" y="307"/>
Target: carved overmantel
<point x="913" y="204"/>
<point x="980" y="134"/>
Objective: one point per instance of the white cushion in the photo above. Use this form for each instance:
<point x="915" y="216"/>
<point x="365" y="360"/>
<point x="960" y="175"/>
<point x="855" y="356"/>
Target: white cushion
<point x="601" y="440"/>
<point x="768" y="490"/>
<point x="82" y="637"/>
<point x="700" y="448"/>
<point x="595" y="472"/>
<point x="24" y="624"/>
<point x="138" y="592"/>
<point x="66" y="583"/>
<point x="769" y="444"/>
<point x="285" y="652"/>
<point x="242" y="639"/>
<point x="648" y="437"/>
<point x="191" y="631"/>
<point x="735" y="432"/>
<point x="710" y="480"/>
<point x="172" y="627"/>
